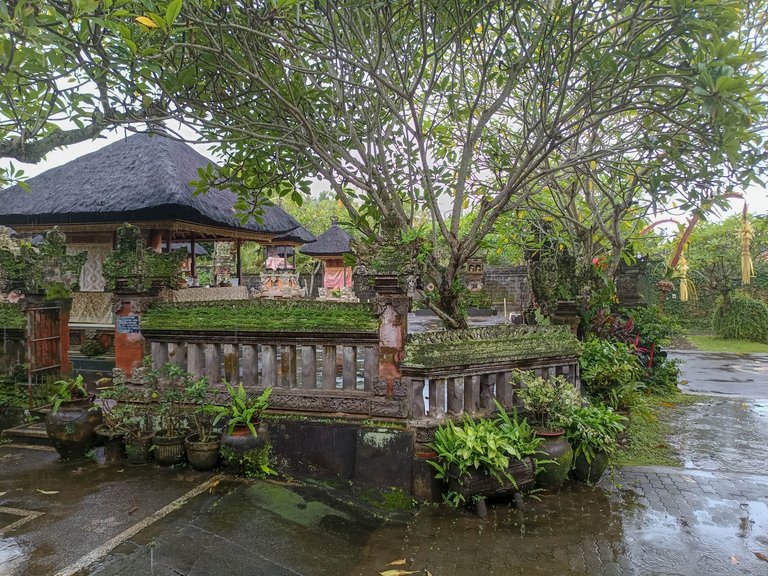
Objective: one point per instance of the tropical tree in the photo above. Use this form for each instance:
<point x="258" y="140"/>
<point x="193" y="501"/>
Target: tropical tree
<point x="420" y="106"/>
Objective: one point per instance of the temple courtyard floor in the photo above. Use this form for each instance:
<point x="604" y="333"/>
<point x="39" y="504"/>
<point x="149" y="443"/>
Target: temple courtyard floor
<point x="708" y="517"/>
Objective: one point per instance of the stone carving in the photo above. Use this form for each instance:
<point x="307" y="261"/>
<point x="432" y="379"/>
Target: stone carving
<point x="389" y="408"/>
<point x="399" y="387"/>
<point x="92" y="308"/>
<point x="91" y="276"/>
<point x="312" y="403"/>
<point x="400" y="304"/>
<point x="210" y="294"/>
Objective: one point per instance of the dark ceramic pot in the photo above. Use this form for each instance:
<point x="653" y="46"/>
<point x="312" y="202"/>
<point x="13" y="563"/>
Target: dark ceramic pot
<point x="138" y="449"/>
<point x="169" y="450"/>
<point x="71" y="427"/>
<point x="589" y="472"/>
<point x="203" y="455"/>
<point x="557" y="449"/>
<point x="113" y="443"/>
<point x="241" y="440"/>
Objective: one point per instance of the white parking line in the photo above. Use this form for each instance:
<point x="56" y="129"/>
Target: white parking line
<point x="105" y="548"/>
<point x="26" y="515"/>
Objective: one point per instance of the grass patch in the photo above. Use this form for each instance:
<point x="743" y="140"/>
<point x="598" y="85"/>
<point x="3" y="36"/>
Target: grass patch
<point x="262" y="316"/>
<point x="709" y="343"/>
<point x="646" y="442"/>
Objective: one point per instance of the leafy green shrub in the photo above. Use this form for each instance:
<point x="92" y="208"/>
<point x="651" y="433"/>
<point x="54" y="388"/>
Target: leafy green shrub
<point x="594" y="429"/>
<point x="741" y="318"/>
<point x="664" y="376"/>
<point x="251" y="463"/>
<point x="550" y="401"/>
<point x="483" y="445"/>
<point x="653" y="326"/>
<point x="611" y="373"/>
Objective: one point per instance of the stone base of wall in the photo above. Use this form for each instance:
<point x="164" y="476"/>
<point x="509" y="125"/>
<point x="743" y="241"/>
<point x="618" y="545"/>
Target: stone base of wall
<point x="380" y="458"/>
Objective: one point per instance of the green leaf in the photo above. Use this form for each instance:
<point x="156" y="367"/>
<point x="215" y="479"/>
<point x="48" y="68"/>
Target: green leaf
<point x="172" y="12"/>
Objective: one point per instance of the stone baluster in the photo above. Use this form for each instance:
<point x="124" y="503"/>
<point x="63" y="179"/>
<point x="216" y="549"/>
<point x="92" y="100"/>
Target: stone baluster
<point x="370" y="366"/>
<point x="455" y="395"/>
<point x="416" y="400"/>
<point x="269" y="365"/>
<point x="231" y="354"/>
<point x="329" y="367"/>
<point x="195" y="360"/>
<point x="250" y="365"/>
<point x="349" y="370"/>
<point x="309" y="367"/>
<point x="177" y="353"/>
<point x="159" y="352"/>
<point x="288" y="366"/>
<point x="212" y="363"/>
<point x="505" y="394"/>
<point x="437" y="394"/>
<point x="472" y="394"/>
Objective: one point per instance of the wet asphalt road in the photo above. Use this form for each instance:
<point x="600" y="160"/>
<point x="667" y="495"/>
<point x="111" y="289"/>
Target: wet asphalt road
<point x="708" y="518"/>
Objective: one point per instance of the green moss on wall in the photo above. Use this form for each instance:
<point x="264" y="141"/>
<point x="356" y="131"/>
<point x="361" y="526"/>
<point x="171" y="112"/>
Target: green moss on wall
<point x="496" y="344"/>
<point x="263" y="316"/>
<point x="11" y="316"/>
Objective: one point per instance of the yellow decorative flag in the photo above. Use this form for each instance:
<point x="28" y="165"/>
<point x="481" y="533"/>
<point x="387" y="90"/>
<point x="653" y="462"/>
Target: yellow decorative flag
<point x="682" y="269"/>
<point x="746" y="234"/>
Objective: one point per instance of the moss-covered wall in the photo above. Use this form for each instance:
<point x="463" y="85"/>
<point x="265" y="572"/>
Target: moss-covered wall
<point x="11" y="316"/>
<point x="262" y="315"/>
<point x="486" y="345"/>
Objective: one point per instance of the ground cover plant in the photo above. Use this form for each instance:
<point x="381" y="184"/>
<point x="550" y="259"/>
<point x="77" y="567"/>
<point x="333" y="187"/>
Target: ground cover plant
<point x="710" y="343"/>
<point x="740" y="317"/>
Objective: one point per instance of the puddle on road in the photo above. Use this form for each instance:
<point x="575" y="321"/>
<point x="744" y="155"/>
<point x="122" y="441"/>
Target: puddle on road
<point x="580" y="531"/>
<point x="12" y="556"/>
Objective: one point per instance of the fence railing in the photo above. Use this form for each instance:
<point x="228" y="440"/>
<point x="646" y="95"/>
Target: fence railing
<point x="437" y="393"/>
<point x="331" y="373"/>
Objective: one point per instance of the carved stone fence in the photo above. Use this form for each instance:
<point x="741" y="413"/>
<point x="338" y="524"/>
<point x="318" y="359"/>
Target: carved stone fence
<point x="330" y="373"/>
<point x="462" y="372"/>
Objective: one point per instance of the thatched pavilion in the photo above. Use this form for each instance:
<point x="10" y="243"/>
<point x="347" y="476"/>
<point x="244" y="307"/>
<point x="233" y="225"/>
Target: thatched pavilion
<point x="141" y="179"/>
<point x="330" y="248"/>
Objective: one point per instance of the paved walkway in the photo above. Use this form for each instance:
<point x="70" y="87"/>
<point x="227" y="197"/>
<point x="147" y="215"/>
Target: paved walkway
<point x="709" y="518"/>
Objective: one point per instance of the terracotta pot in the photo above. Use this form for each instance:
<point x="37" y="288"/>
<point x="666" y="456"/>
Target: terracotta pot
<point x="557" y="449"/>
<point x="71" y="427"/>
<point x="203" y="455"/>
<point x="591" y="473"/>
<point x="169" y="450"/>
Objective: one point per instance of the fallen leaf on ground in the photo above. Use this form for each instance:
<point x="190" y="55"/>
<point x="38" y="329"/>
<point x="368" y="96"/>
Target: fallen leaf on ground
<point x="213" y="485"/>
<point x="398" y="572"/>
<point x="734" y="560"/>
<point x="688" y="479"/>
<point x="400" y="562"/>
<point x="3" y="493"/>
<point x="48" y="492"/>
<point x="667" y="404"/>
<point x="761" y="556"/>
<point x="428" y="573"/>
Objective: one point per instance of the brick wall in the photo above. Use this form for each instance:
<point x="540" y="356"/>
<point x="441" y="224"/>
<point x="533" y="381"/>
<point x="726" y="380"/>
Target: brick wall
<point x="510" y="282"/>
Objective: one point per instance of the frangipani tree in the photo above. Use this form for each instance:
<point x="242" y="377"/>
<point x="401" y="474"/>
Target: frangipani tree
<point x="440" y="107"/>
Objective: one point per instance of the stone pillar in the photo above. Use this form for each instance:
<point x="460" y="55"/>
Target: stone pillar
<point x="392" y="306"/>
<point x="129" y="343"/>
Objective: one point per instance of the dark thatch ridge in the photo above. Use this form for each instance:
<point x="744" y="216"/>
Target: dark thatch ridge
<point x="332" y="242"/>
<point x="176" y="246"/>
<point x="139" y="178"/>
<point x="298" y="236"/>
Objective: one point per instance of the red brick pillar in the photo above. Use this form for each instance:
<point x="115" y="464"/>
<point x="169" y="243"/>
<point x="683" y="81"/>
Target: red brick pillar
<point x="392" y="307"/>
<point x="129" y="343"/>
<point x="64" y="310"/>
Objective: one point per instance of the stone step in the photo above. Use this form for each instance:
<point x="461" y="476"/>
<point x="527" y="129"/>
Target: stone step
<point x="32" y="434"/>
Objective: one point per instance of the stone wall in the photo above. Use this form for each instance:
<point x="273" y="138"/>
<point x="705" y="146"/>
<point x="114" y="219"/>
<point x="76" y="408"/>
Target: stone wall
<point x="510" y="282"/>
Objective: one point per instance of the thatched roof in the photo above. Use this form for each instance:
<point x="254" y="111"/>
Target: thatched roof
<point x="332" y="242"/>
<point x="176" y="246"/>
<point x="140" y="178"/>
<point x="298" y="236"/>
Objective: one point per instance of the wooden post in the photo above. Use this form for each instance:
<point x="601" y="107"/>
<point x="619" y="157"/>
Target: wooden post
<point x="193" y="247"/>
<point x="239" y="264"/>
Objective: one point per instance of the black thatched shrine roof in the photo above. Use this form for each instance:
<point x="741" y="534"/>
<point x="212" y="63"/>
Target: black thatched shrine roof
<point x="332" y="242"/>
<point x="141" y="178"/>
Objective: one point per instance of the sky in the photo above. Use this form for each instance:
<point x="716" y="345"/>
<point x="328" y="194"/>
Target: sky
<point x="756" y="196"/>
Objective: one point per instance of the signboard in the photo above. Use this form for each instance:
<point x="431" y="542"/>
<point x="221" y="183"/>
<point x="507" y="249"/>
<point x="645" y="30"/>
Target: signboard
<point x="128" y="324"/>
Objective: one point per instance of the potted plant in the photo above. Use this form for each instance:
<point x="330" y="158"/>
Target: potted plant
<point x="204" y="443"/>
<point x="243" y="416"/>
<point x="550" y="401"/>
<point x="168" y="440"/>
<point x="484" y="457"/>
<point x="115" y="417"/>
<point x="592" y="431"/>
<point x="73" y="417"/>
